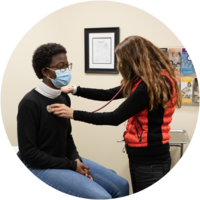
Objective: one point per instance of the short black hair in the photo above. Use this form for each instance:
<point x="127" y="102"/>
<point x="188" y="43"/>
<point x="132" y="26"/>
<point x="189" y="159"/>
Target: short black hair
<point x="42" y="56"/>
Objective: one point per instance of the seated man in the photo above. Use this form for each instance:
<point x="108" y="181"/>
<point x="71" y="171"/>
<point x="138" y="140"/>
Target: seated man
<point x="45" y="142"/>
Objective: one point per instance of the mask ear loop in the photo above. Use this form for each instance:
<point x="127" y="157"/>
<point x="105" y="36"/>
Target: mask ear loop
<point x="48" y="78"/>
<point x="51" y="70"/>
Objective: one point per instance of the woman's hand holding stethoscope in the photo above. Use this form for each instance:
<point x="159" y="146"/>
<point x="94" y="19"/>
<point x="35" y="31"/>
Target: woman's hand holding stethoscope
<point x="61" y="110"/>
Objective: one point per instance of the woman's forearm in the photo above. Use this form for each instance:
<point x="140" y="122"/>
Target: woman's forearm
<point x="136" y="102"/>
<point x="99" y="94"/>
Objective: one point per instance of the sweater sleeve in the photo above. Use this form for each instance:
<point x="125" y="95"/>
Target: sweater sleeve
<point x="27" y="128"/>
<point x="136" y="102"/>
<point x="99" y="94"/>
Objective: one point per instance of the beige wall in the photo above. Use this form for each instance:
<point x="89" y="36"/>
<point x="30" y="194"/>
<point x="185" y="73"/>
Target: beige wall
<point x="66" y="26"/>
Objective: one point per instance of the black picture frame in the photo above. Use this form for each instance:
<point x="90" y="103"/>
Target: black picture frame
<point x="106" y="64"/>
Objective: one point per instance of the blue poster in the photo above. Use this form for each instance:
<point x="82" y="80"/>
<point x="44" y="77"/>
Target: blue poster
<point x="187" y="65"/>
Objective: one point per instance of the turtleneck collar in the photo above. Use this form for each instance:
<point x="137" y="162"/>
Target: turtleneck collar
<point x="47" y="91"/>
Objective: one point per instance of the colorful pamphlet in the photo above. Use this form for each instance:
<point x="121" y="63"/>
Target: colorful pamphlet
<point x="187" y="89"/>
<point x="187" y="65"/>
<point x="175" y="59"/>
<point x="164" y="50"/>
<point x="196" y="91"/>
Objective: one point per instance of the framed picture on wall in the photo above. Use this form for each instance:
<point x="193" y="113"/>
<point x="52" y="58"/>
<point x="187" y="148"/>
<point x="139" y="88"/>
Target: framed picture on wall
<point x="100" y="46"/>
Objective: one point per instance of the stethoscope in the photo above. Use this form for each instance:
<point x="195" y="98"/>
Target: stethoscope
<point x="48" y="107"/>
<point x="123" y="150"/>
<point x="110" y="100"/>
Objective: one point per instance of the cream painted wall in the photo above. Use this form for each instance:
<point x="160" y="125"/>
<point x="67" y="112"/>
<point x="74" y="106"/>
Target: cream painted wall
<point x="66" y="26"/>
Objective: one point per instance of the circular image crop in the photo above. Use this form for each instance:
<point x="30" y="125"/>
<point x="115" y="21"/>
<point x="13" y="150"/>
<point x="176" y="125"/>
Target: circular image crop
<point x="75" y="61"/>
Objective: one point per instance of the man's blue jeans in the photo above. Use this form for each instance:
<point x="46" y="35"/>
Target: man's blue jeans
<point x="106" y="183"/>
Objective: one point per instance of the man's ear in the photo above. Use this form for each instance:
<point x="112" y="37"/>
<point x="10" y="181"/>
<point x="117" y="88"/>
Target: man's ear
<point x="44" y="72"/>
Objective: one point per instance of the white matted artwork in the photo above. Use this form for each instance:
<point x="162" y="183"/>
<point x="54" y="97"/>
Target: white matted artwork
<point x="101" y="50"/>
<point x="100" y="44"/>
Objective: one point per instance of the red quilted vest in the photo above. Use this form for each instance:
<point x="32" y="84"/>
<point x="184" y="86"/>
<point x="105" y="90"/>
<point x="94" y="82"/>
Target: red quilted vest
<point x="138" y="133"/>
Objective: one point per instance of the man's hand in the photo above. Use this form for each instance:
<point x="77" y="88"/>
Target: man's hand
<point x="83" y="169"/>
<point x="68" y="89"/>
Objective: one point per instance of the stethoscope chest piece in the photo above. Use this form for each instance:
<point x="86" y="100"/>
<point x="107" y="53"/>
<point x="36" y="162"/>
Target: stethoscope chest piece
<point x="48" y="108"/>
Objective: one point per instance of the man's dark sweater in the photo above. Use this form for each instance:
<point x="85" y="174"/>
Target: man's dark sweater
<point x="45" y="139"/>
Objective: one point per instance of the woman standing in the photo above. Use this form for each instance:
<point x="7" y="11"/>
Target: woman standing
<point x="151" y="93"/>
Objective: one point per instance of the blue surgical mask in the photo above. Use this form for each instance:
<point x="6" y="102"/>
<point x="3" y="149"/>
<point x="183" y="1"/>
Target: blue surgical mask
<point x="62" y="78"/>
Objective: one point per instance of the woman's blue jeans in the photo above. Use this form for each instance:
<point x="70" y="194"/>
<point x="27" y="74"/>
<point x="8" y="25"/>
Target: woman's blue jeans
<point x="105" y="185"/>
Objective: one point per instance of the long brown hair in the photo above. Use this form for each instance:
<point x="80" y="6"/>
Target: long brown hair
<point x="139" y="58"/>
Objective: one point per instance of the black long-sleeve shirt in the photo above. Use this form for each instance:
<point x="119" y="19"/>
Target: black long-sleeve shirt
<point x="136" y="102"/>
<point x="44" y="139"/>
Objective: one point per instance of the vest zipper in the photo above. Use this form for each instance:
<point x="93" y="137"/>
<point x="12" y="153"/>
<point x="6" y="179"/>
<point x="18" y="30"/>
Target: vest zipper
<point x="137" y="130"/>
<point x="139" y="137"/>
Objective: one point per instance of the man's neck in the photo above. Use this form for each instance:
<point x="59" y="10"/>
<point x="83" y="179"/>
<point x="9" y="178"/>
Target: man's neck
<point x="48" y="91"/>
